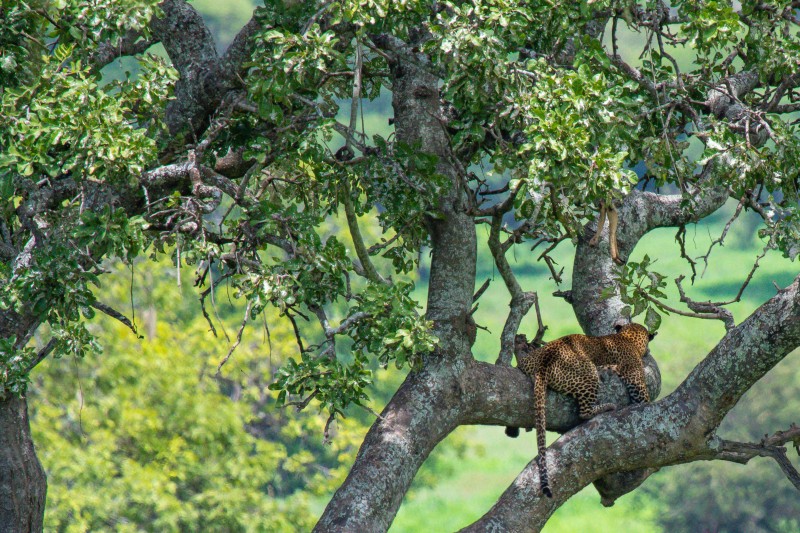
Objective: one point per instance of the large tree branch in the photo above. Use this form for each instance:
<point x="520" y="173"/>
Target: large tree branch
<point x="680" y="428"/>
<point x="205" y="78"/>
<point x="421" y="413"/>
<point x="419" y="122"/>
<point x="501" y="395"/>
<point x="724" y="100"/>
<point x="640" y="213"/>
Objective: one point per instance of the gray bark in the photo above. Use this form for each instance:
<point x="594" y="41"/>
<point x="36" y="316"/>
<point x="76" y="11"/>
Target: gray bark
<point x="205" y="78"/>
<point x="23" y="484"/>
<point x="639" y="213"/>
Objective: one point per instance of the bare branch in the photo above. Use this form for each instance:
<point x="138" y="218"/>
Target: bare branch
<point x="238" y="338"/>
<point x="302" y="404"/>
<point x="203" y="296"/>
<point x="480" y="291"/>
<point x="680" y="236"/>
<point x="326" y="439"/>
<point x="116" y="315"/>
<point x="42" y="354"/>
<point x="661" y="305"/>
<point x="707" y="310"/>
<point x="521" y="301"/>
<point x="721" y="239"/>
<point x="742" y="452"/>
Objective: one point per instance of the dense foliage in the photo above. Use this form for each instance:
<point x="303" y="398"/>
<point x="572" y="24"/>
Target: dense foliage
<point x="146" y="436"/>
<point x="579" y="130"/>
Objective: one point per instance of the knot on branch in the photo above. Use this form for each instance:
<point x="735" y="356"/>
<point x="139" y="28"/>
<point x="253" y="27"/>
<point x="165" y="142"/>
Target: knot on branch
<point x="567" y="295"/>
<point x="423" y="92"/>
<point x="709" y="308"/>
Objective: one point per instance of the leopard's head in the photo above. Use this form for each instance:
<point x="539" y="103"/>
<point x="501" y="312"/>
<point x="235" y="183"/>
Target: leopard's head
<point x="637" y="334"/>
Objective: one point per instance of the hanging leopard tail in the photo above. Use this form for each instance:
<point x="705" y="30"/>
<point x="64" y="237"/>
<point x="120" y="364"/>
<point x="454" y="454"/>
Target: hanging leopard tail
<point x="539" y="391"/>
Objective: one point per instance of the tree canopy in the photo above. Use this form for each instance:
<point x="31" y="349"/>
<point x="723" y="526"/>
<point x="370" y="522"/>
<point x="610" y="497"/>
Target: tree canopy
<point x="513" y="125"/>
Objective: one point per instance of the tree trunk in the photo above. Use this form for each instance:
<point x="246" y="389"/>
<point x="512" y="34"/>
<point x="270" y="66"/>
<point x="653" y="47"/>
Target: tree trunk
<point x="23" y="484"/>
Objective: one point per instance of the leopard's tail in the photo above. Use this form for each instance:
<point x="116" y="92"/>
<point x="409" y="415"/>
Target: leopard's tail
<point x="539" y="391"/>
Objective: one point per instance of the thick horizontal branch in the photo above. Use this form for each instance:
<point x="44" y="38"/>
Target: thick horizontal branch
<point x="501" y="395"/>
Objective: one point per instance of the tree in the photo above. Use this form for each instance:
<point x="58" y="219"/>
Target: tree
<point x="229" y="162"/>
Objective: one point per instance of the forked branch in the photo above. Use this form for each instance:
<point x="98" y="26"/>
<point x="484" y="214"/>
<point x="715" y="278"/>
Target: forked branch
<point x="770" y="446"/>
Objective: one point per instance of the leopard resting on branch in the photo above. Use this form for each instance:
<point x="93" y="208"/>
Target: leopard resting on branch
<point x="569" y="365"/>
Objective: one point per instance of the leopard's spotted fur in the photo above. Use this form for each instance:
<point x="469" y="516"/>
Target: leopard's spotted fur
<point x="569" y="365"/>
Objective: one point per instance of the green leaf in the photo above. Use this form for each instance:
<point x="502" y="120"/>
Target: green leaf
<point x="652" y="320"/>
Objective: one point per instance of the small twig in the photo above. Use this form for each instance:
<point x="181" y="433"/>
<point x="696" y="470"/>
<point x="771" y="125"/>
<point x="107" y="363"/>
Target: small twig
<point x="203" y="296"/>
<point x="481" y="290"/>
<point x="711" y="314"/>
<point x="537" y="340"/>
<point x="296" y="331"/>
<point x="721" y="239"/>
<point x="713" y="309"/>
<point x="42" y="354"/>
<point x="770" y="245"/>
<point x="330" y="333"/>
<point x="302" y="404"/>
<point x="238" y="338"/>
<point x="567" y="295"/>
<point x="681" y="238"/>
<point x="551" y="265"/>
<point x="326" y="436"/>
<point x="375" y="248"/>
<point x="370" y="410"/>
<point x="113" y="313"/>
<point x="313" y="18"/>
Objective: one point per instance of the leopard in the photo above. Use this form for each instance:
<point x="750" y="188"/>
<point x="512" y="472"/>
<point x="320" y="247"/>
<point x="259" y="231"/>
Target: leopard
<point x="570" y="365"/>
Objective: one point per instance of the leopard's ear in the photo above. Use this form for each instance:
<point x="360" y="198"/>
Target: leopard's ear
<point x="651" y="335"/>
<point x="618" y="327"/>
